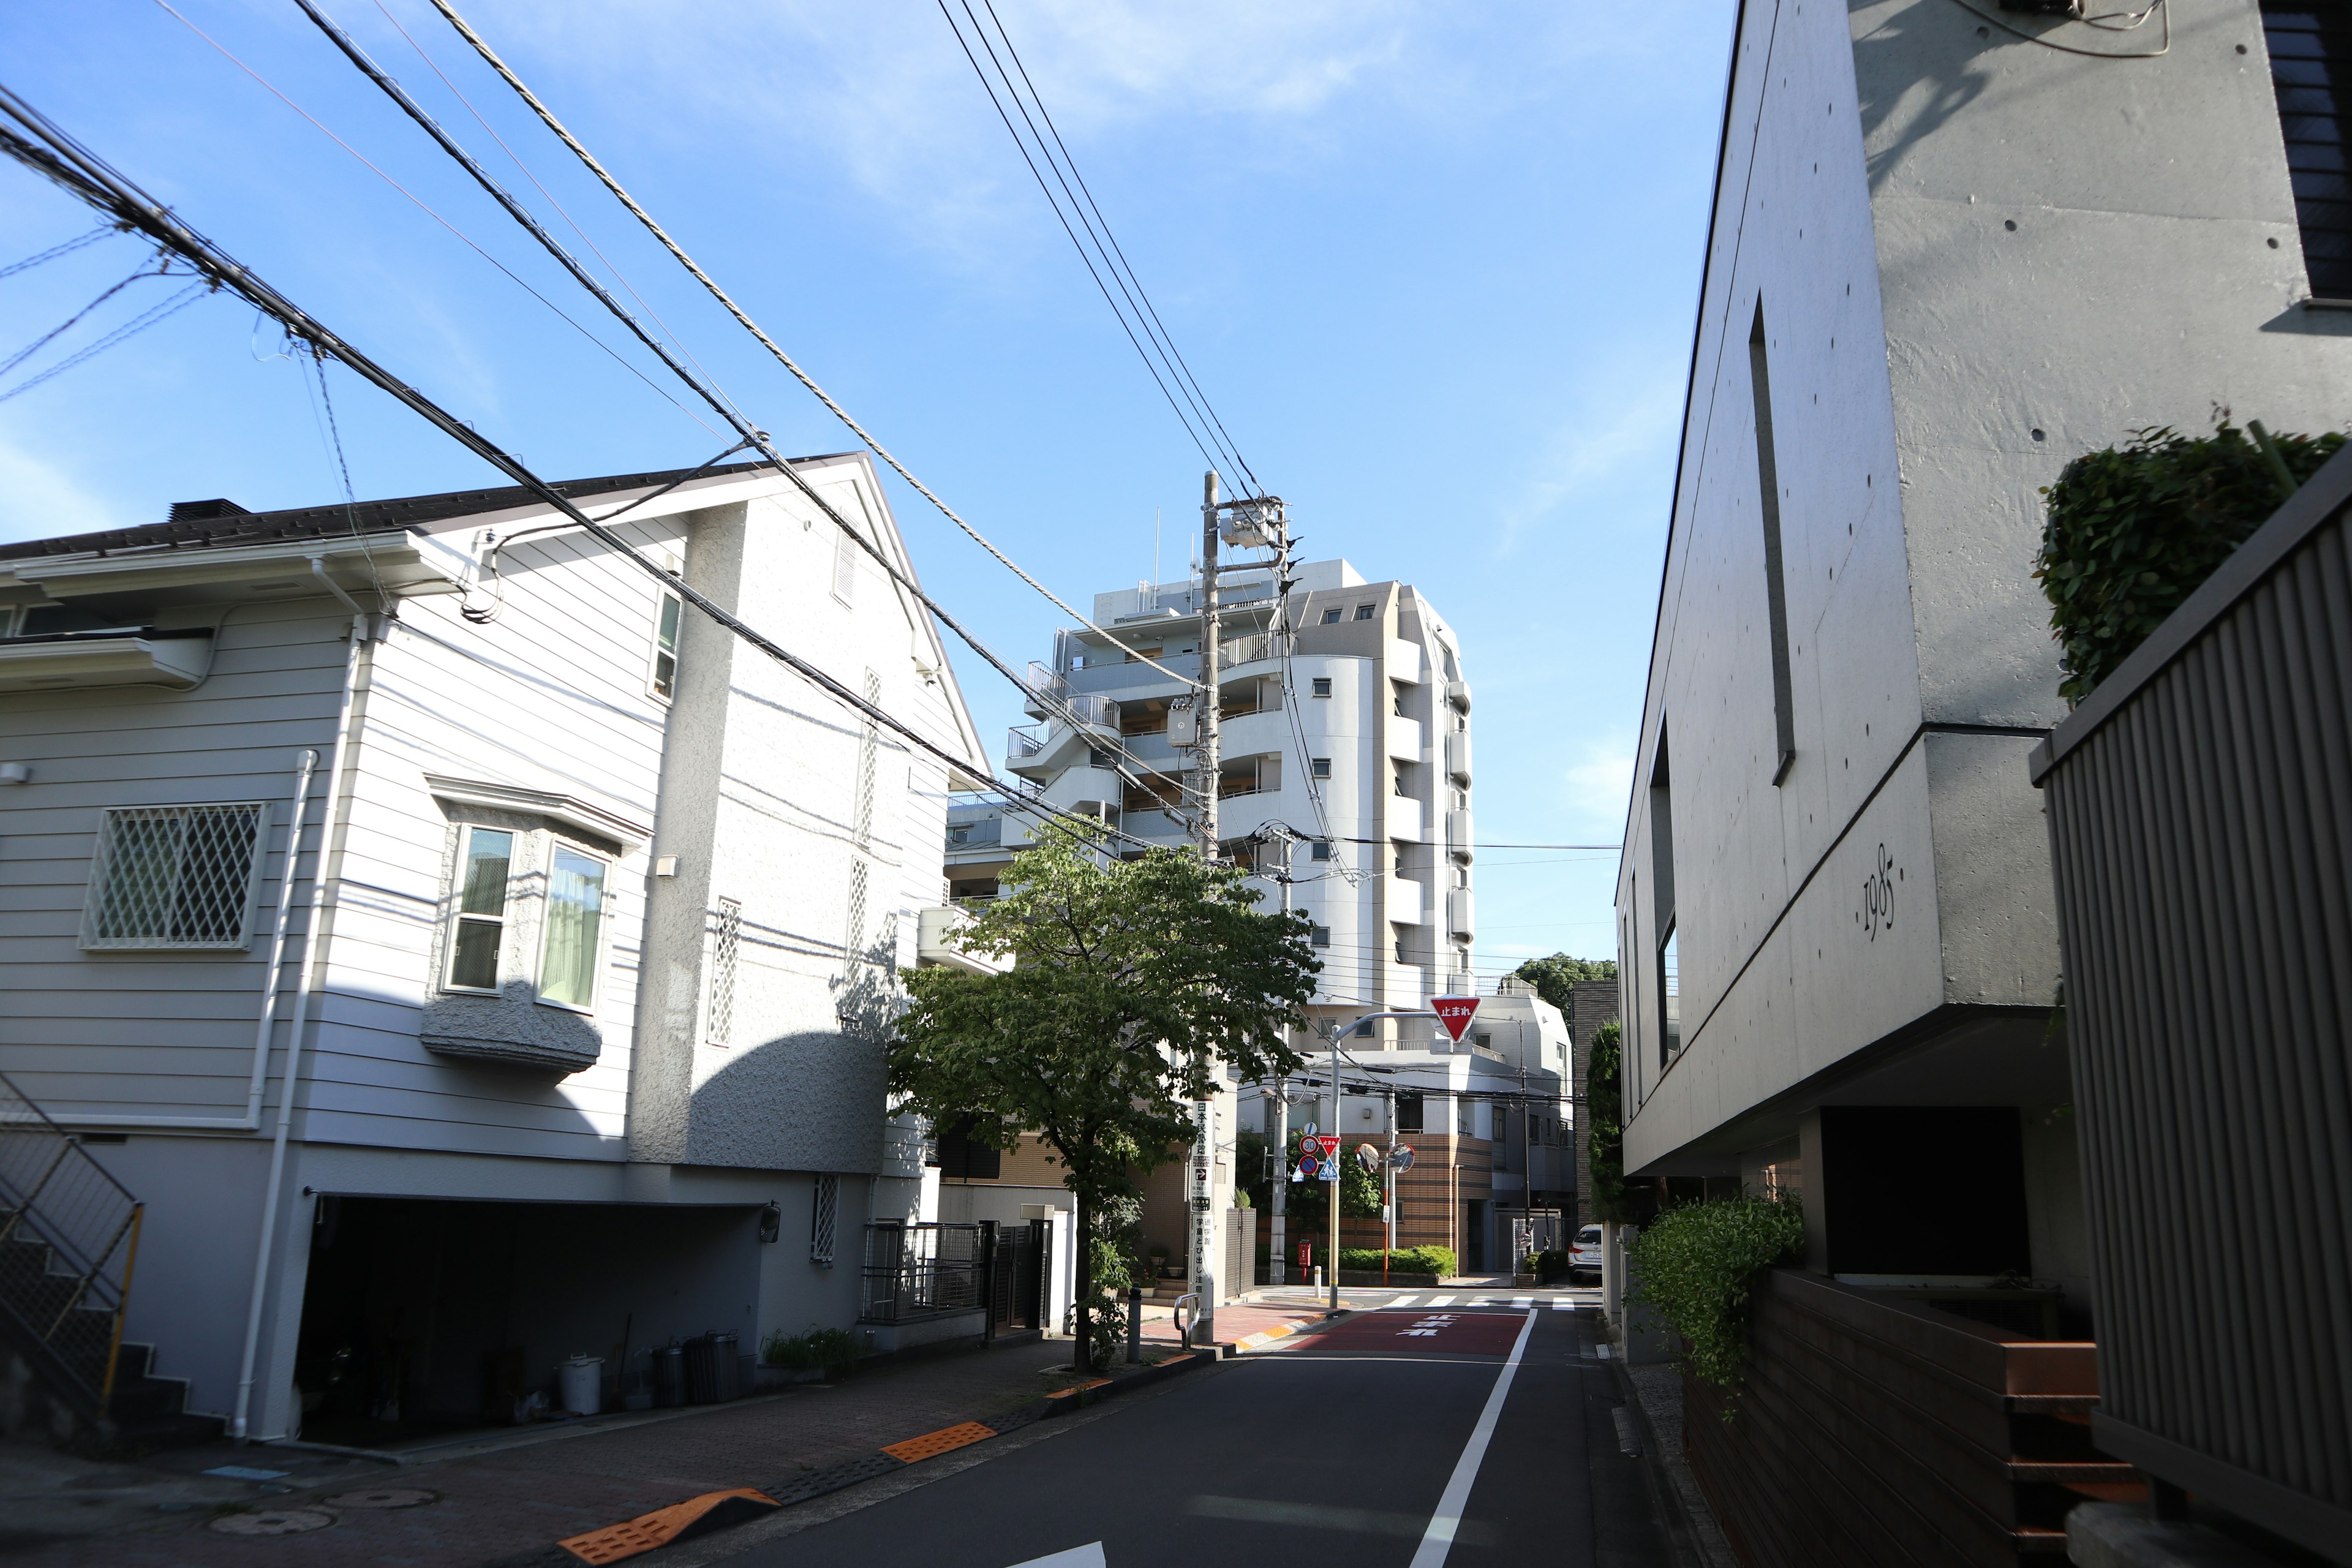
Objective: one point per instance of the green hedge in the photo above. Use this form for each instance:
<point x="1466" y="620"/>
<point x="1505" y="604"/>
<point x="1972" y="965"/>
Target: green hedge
<point x="1437" y="1260"/>
<point x="2133" y="530"/>
<point x="1696" y="1264"/>
<point x="817" y="1347"/>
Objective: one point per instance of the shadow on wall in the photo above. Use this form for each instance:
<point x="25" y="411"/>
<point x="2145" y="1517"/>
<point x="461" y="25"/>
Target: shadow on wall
<point x="1902" y="101"/>
<point x="808" y="1101"/>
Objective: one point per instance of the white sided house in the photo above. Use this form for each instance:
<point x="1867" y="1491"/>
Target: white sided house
<point x="574" y="971"/>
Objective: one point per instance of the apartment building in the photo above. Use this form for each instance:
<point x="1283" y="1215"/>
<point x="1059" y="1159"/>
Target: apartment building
<point x="1951" y="250"/>
<point x="1347" y="722"/>
<point x="567" y="921"/>
<point x="1346" y="728"/>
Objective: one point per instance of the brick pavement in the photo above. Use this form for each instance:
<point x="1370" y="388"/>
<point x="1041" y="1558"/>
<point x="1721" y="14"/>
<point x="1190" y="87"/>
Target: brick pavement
<point x="509" y="1503"/>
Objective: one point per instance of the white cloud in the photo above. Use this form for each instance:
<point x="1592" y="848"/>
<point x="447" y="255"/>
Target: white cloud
<point x="1598" y="787"/>
<point x="1601" y="443"/>
<point x="44" y="500"/>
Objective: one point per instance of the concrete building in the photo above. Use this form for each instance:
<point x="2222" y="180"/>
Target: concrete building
<point x="1951" y="250"/>
<point x="1591" y="1004"/>
<point x="590" y="925"/>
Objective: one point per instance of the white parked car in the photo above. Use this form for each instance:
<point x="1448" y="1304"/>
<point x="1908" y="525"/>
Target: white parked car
<point x="1584" y="1253"/>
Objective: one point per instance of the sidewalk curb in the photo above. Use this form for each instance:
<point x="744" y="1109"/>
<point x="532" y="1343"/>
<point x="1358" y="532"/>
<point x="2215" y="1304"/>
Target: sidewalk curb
<point x="1248" y="1342"/>
<point x="815" y="1484"/>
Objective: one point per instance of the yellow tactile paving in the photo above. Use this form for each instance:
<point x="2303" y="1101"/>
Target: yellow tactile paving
<point x="931" y="1444"/>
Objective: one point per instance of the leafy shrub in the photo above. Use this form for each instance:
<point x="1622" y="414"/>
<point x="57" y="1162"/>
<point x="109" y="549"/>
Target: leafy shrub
<point x="1437" y="1260"/>
<point x="1604" y="1142"/>
<point x="2133" y="530"/>
<point x="816" y="1347"/>
<point x="1697" y="1263"/>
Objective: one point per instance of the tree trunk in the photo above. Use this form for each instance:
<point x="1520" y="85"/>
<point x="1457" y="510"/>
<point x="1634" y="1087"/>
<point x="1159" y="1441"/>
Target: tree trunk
<point x="1083" y="1234"/>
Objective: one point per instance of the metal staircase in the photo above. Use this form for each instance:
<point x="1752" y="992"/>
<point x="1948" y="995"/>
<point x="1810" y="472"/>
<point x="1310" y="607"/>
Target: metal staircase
<point x="69" y="1238"/>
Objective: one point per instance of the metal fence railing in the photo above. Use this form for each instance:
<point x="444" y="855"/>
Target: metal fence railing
<point x="69" y="1235"/>
<point x="918" y="1271"/>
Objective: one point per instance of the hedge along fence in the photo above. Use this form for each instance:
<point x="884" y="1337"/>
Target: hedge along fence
<point x="1697" y="1264"/>
<point x="2133" y="530"/>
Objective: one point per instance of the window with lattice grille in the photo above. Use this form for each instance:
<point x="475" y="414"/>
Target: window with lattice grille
<point x="825" y="1210"/>
<point x="175" y="876"/>
<point x="725" y="940"/>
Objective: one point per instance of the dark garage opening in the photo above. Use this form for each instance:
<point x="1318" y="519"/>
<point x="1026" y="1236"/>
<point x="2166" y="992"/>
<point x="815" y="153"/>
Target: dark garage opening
<point x="423" y="1316"/>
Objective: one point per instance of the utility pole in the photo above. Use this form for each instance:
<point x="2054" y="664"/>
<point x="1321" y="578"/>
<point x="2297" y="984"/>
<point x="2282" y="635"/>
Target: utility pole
<point x="1281" y="1183"/>
<point x="1208" y="758"/>
<point x="1338" y="1178"/>
<point x="1205" y="762"/>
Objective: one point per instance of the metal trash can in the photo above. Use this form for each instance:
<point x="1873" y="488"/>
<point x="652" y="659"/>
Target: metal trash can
<point x="669" y="1377"/>
<point x="710" y="1370"/>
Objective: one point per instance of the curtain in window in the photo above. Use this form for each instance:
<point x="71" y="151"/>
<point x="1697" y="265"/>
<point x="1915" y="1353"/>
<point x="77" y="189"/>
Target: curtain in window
<point x="575" y="917"/>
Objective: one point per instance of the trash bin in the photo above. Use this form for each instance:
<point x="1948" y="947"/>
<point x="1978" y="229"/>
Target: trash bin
<point x="580" y="1384"/>
<point x="669" y="1377"/>
<point x="710" y="1370"/>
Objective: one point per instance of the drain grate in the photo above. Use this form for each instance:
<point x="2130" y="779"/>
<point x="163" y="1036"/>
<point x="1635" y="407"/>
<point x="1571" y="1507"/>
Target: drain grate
<point x="274" y="1521"/>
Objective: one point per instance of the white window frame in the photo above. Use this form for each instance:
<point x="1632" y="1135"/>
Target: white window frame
<point x="1322" y="686"/>
<point x="665" y="606"/>
<point x="504" y="919"/>
<point x="560" y="847"/>
<point x="103" y="867"/>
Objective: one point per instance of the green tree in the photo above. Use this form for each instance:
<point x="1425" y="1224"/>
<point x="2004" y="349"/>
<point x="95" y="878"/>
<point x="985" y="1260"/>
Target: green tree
<point x="1604" y="1124"/>
<point x="1553" y="976"/>
<point x="1131" y="982"/>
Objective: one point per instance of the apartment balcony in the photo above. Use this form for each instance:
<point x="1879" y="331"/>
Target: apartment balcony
<point x="1460" y="984"/>
<point x="1404" y="900"/>
<point x="1457" y="754"/>
<point x="1404" y="738"/>
<point x="1461" y="911"/>
<point x="1255" y="649"/>
<point x="1405" y="661"/>
<point x="937" y="931"/>
<point x="1404" y="818"/>
<point x="1458" y="693"/>
<point x="1458" y="835"/>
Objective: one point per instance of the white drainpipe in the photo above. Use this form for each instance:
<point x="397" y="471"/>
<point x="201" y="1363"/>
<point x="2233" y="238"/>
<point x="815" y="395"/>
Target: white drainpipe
<point x="321" y="883"/>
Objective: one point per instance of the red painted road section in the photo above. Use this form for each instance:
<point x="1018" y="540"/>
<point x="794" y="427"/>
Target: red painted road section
<point x="1422" y="1331"/>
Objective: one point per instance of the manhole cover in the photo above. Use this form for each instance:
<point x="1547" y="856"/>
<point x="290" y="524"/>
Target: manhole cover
<point x="385" y="1497"/>
<point x="274" y="1521"/>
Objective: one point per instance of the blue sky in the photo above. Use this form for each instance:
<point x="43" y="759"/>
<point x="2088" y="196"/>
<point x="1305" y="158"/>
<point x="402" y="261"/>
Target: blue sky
<point x="1436" y="265"/>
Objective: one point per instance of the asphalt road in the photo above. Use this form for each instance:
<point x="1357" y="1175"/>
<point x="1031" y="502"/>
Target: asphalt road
<point x="1361" y="1443"/>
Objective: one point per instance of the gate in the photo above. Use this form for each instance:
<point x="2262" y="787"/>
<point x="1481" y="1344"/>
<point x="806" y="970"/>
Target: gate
<point x="1019" y="1275"/>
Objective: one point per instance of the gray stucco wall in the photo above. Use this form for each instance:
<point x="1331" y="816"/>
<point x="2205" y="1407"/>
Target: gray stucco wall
<point x="1976" y="257"/>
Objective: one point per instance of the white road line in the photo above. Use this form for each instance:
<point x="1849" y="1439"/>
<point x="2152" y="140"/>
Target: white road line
<point x="1564" y="1306"/>
<point x="1523" y="1300"/>
<point x="1404" y="1300"/>
<point x="1438" y="1540"/>
<point x="1087" y="1556"/>
<point x="1441" y="1301"/>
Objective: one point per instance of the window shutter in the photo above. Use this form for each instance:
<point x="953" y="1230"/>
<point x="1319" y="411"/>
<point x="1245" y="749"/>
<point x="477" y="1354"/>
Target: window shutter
<point x="845" y="567"/>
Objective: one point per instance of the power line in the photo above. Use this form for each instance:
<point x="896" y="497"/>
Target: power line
<point x="1166" y="338"/>
<point x="53" y="252"/>
<point x="423" y="207"/>
<point x="130" y="329"/>
<point x="1134" y="316"/>
<point x="721" y="404"/>
<point x="588" y="159"/>
<point x="56" y="155"/>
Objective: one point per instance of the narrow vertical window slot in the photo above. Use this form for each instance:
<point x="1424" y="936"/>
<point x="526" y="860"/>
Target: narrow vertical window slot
<point x="1767" y="484"/>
